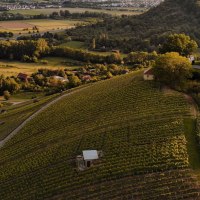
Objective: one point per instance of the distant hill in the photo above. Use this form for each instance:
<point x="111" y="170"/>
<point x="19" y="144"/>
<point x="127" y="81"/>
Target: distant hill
<point x="139" y="129"/>
<point x="145" y="32"/>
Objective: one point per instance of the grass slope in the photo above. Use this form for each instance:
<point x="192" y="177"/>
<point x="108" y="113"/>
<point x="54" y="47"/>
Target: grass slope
<point x="139" y="128"/>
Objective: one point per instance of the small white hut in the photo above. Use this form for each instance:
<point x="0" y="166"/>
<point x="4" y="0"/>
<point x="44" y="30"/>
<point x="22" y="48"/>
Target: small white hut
<point x="86" y="160"/>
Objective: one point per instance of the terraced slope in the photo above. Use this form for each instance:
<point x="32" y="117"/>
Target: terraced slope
<point x="139" y="128"/>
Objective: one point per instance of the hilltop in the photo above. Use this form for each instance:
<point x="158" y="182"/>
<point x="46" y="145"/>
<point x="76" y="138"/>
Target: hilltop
<point x="139" y="128"/>
<point x="145" y="32"/>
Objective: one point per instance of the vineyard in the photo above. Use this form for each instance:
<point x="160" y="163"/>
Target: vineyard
<point x="139" y="128"/>
<point x="18" y="113"/>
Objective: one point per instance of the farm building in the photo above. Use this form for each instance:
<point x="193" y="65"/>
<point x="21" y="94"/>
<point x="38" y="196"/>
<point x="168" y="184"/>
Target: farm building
<point x="86" y="78"/>
<point x="148" y="75"/>
<point x="86" y="160"/>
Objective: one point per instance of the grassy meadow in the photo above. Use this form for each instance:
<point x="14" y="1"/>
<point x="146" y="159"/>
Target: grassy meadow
<point x="13" y="68"/>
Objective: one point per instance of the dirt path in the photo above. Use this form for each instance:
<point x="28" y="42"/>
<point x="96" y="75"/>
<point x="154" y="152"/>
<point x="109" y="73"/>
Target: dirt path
<point x="193" y="106"/>
<point x="13" y="133"/>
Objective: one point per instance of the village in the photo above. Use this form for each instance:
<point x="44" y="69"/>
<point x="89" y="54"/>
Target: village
<point x="23" y="5"/>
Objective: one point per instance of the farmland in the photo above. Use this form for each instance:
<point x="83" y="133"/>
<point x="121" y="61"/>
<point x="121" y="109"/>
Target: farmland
<point x="13" y="68"/>
<point x="140" y="129"/>
<point x="24" y="26"/>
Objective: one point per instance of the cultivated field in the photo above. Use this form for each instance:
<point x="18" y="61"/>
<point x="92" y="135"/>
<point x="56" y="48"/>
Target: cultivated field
<point x="16" y="114"/>
<point x="140" y="129"/>
<point x="24" y="26"/>
<point x="13" y="68"/>
<point x="116" y="11"/>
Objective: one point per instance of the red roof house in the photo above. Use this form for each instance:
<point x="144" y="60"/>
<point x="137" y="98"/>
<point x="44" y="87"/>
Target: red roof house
<point x="148" y="74"/>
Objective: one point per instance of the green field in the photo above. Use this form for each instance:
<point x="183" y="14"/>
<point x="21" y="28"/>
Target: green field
<point x="13" y="68"/>
<point x="130" y="11"/>
<point x="141" y="130"/>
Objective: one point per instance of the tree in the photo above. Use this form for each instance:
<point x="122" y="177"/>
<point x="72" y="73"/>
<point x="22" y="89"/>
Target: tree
<point x="6" y="95"/>
<point x="74" y="81"/>
<point x="172" y="69"/>
<point x="180" y="43"/>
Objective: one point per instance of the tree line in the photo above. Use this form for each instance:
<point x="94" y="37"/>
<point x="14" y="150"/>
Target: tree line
<point x="24" y="50"/>
<point x="62" y="14"/>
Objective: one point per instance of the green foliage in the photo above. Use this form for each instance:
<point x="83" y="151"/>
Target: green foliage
<point x="74" y="81"/>
<point x="27" y="50"/>
<point x="141" y="58"/>
<point x="180" y="43"/>
<point x="6" y="95"/>
<point x="172" y="69"/>
<point x="85" y="56"/>
<point x="8" y="83"/>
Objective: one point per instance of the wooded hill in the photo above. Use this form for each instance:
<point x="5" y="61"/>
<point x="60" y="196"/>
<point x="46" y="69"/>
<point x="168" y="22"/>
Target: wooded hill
<point x="146" y="31"/>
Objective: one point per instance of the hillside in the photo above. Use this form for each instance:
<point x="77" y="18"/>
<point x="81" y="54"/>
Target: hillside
<point x="145" y="32"/>
<point x="139" y="128"/>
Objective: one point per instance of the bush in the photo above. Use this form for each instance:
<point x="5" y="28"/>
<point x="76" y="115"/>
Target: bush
<point x="6" y="95"/>
<point x="44" y="62"/>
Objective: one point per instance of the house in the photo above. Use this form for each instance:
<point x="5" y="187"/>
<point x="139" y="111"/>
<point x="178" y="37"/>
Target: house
<point x="148" y="74"/>
<point x="22" y="77"/>
<point x="191" y="59"/>
<point x="87" y="159"/>
<point x="60" y="78"/>
<point x="86" y="78"/>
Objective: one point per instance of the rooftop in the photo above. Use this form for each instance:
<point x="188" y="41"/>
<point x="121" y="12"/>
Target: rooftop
<point x="90" y="154"/>
<point x="148" y="71"/>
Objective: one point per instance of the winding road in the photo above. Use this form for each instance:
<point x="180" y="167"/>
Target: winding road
<point x="14" y="132"/>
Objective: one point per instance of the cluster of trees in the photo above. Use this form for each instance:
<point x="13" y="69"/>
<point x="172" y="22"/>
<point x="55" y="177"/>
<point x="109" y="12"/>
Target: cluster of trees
<point x="180" y="43"/>
<point x="6" y="34"/>
<point x="5" y="16"/>
<point x="84" y="56"/>
<point x="64" y="14"/>
<point x="25" y="50"/>
<point x="8" y="84"/>
<point x="141" y="59"/>
<point x="47" y="35"/>
<point x="173" y="70"/>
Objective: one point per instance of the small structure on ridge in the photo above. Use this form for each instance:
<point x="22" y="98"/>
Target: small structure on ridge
<point x="86" y="160"/>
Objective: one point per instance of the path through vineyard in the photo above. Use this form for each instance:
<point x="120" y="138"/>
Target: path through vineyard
<point x="13" y="133"/>
<point x="193" y="106"/>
